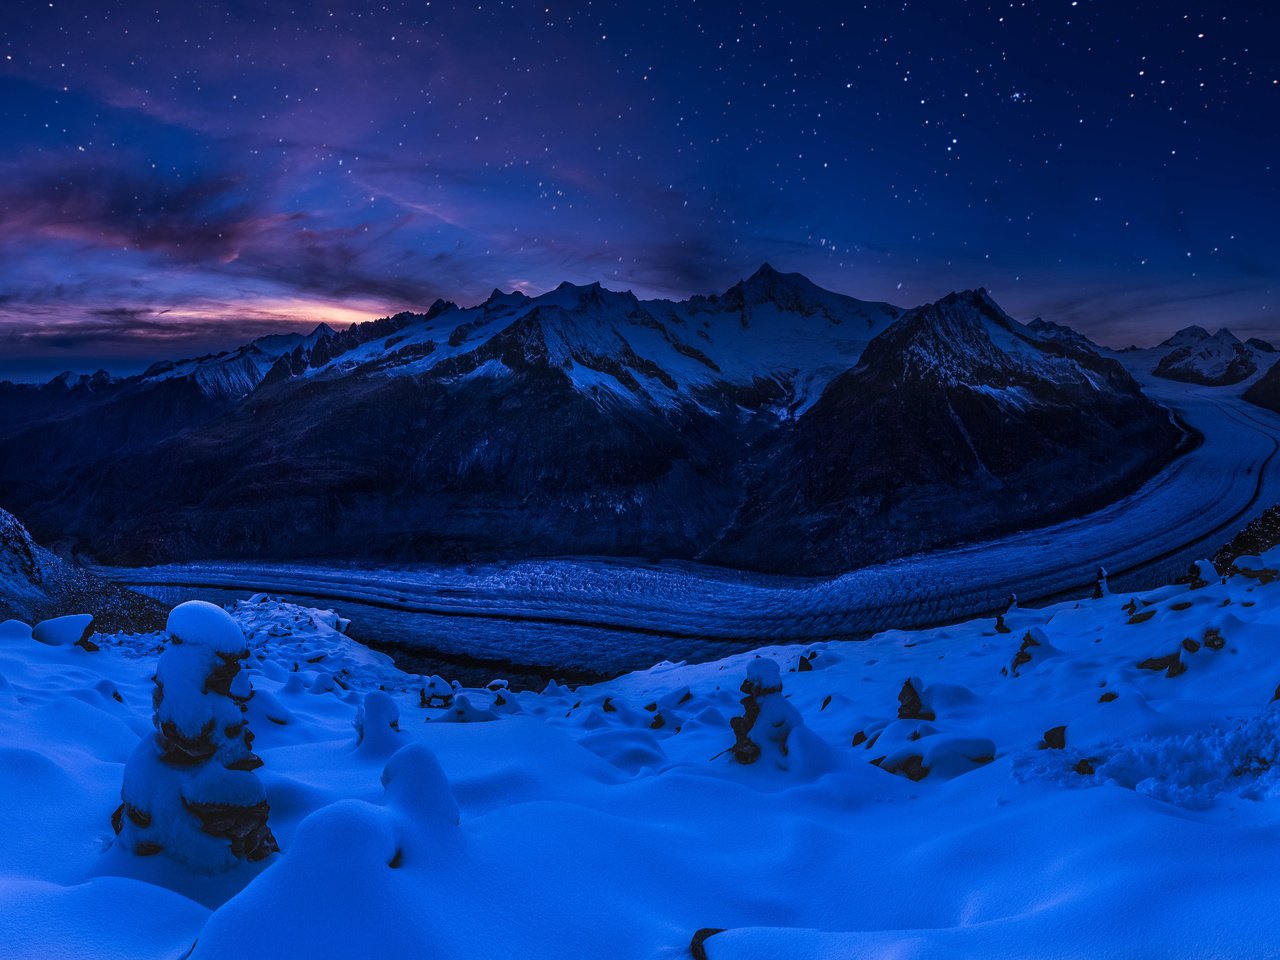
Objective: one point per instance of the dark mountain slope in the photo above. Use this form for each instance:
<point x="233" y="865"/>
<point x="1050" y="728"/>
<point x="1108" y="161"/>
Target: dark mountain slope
<point x="956" y="422"/>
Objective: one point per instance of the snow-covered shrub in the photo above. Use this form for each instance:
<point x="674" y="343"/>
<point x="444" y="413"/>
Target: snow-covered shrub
<point x="377" y="724"/>
<point x="189" y="791"/>
<point x="1100" y="588"/>
<point x="1202" y="574"/>
<point x="437" y="692"/>
<point x="768" y="717"/>
<point x="462" y="710"/>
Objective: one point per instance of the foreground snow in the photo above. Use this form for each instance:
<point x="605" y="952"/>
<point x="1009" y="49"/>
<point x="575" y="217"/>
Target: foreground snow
<point x="609" y="821"/>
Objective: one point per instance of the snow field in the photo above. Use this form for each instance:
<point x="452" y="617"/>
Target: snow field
<point x="1096" y="781"/>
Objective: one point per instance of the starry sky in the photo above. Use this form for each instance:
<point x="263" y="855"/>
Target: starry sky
<point x="177" y="178"/>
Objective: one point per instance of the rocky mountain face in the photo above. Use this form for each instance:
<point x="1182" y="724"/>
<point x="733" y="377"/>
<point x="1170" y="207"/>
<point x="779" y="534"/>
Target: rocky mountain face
<point x="1214" y="360"/>
<point x="774" y="426"/>
<point x="1265" y="391"/>
<point x="36" y="585"/>
<point x="957" y="420"/>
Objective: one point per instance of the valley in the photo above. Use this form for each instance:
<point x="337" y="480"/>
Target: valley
<point x="611" y="615"/>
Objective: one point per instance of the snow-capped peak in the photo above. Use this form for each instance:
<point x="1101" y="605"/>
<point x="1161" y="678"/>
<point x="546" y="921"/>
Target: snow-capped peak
<point x="67" y="380"/>
<point x="1197" y="357"/>
<point x="967" y="339"/>
<point x="772" y="328"/>
<point x="1188" y="336"/>
<point x="1061" y="333"/>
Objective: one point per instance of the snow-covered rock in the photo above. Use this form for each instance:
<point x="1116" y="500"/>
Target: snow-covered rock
<point x="71" y="630"/>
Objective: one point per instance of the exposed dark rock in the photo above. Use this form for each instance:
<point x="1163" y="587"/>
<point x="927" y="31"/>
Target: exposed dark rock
<point x="1260" y="535"/>
<point x="911" y="767"/>
<point x="1023" y="654"/>
<point x="910" y="706"/>
<point x="35" y="585"/>
<point x="1171" y="663"/>
<point x="1055" y="738"/>
<point x="697" y="946"/>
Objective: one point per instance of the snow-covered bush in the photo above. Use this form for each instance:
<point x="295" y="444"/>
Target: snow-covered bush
<point x="1202" y="574"/>
<point x="189" y="791"/>
<point x="377" y="724"/>
<point x="1100" y="588"/>
<point x="768" y="717"/>
<point x="462" y="710"/>
<point x="436" y="692"/>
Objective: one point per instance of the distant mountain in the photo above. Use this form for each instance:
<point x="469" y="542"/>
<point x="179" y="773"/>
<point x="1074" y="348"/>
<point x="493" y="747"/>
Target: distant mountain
<point x="957" y="420"/>
<point x="1048" y="330"/>
<point x="1215" y="360"/>
<point x="238" y="373"/>
<point x="589" y="421"/>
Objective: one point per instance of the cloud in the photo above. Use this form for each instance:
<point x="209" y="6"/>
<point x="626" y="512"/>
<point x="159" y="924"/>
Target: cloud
<point x="186" y="219"/>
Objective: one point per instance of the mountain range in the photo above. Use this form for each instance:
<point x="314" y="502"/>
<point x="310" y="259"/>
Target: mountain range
<point x="776" y="426"/>
<point x="1215" y="360"/>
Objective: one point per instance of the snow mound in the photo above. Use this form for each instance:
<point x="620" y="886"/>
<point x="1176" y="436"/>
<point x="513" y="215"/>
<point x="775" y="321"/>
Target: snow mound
<point x="64" y="631"/>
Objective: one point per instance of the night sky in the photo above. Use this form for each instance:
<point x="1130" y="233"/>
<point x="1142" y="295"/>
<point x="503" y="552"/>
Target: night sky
<point x="180" y="177"/>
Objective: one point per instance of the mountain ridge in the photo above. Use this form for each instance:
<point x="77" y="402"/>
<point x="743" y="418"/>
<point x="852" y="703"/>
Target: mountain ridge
<point x="585" y="420"/>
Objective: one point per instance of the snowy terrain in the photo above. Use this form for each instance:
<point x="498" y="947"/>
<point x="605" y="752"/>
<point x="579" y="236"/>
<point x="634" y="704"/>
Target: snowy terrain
<point x="1095" y="778"/>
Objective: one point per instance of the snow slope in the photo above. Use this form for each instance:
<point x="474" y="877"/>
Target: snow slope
<point x="1100" y="779"/>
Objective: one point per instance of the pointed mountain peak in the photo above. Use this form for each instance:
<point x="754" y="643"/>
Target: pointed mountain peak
<point x="976" y="304"/>
<point x="570" y="285"/>
<point x="1187" y="335"/>
<point x="574" y="296"/>
<point x="1226" y="336"/>
<point x="767" y="285"/>
<point x="499" y="301"/>
<point x="440" y="306"/>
